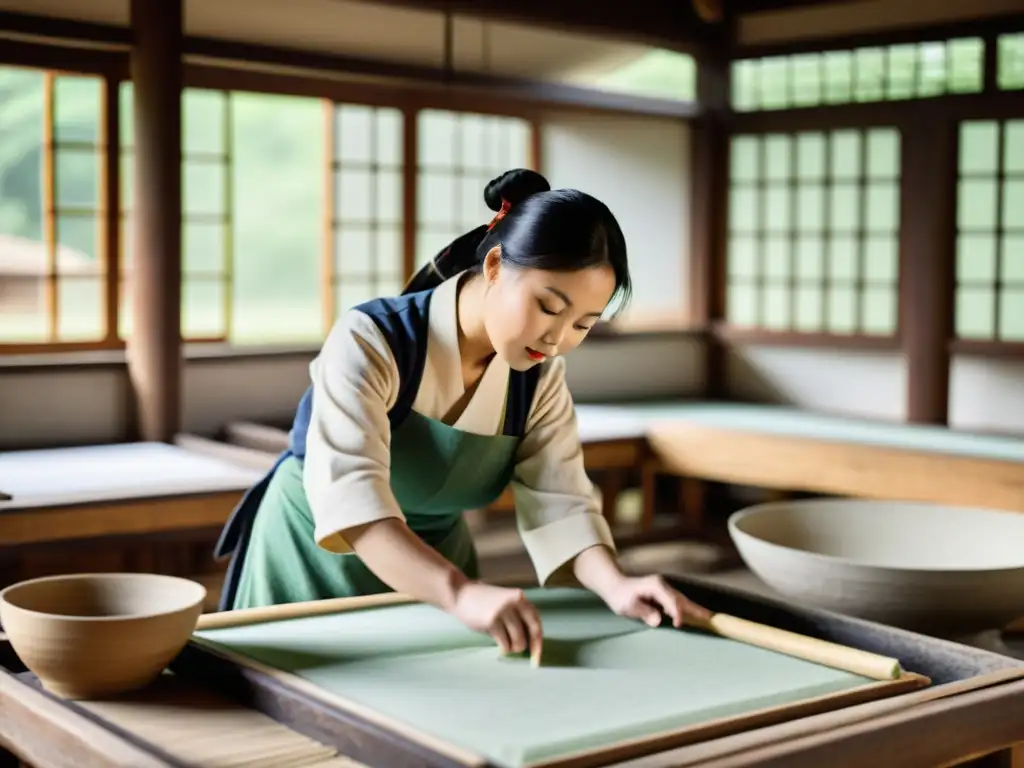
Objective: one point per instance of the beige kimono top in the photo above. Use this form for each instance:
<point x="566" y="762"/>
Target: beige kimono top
<point x="347" y="463"/>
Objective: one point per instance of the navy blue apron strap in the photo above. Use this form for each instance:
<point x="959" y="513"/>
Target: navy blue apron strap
<point x="235" y="535"/>
<point x="522" y="388"/>
<point x="403" y="322"/>
<point x="233" y="573"/>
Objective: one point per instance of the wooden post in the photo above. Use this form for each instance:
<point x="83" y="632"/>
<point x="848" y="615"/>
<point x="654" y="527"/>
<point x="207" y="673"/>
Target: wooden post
<point x="928" y="264"/>
<point x="709" y="199"/>
<point x="154" y="345"/>
<point x="709" y="202"/>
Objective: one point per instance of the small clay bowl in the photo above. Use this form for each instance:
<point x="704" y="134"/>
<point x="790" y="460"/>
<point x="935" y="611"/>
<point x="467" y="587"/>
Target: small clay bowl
<point x="95" y="635"/>
<point x="933" y="568"/>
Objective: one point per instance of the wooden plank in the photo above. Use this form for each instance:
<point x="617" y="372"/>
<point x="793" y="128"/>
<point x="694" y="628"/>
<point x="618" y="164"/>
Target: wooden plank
<point x="116" y="518"/>
<point x="257" y="437"/>
<point x="351" y="733"/>
<point x="236" y="454"/>
<point x="841" y="468"/>
<point x="766" y="744"/>
<point x="959" y="727"/>
<point x="43" y="731"/>
<point x="194" y="725"/>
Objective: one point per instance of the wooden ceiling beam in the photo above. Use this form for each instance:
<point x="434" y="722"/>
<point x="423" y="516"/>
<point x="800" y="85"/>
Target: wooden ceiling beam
<point x="673" y="24"/>
<point x="743" y="7"/>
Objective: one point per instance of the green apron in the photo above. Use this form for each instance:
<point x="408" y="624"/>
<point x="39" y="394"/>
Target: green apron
<point x="437" y="473"/>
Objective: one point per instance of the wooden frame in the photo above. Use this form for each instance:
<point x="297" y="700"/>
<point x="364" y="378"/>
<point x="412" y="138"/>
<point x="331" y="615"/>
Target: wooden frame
<point x="975" y="707"/>
<point x="791" y="233"/>
<point x="272" y="70"/>
<point x="369" y="736"/>
<point x="928" y="179"/>
<point x="927" y="186"/>
<point x="217" y="79"/>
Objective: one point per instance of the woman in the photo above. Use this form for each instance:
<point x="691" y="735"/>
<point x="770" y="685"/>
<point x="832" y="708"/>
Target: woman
<point x="432" y="403"/>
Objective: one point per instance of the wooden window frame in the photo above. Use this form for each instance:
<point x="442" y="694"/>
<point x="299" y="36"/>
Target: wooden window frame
<point x="330" y="276"/>
<point x="761" y="125"/>
<point x="112" y="68"/>
<point x="459" y="171"/>
<point x="1001" y="348"/>
<point x="856" y="53"/>
<point x="108" y="252"/>
<point x="226" y="159"/>
<point x="990" y="104"/>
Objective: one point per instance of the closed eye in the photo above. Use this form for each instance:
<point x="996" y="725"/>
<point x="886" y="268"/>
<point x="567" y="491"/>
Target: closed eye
<point x="548" y="311"/>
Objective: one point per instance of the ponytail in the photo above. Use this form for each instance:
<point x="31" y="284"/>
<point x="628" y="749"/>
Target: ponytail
<point x="467" y="251"/>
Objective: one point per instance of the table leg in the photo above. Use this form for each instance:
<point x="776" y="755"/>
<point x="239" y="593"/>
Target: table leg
<point x="693" y="498"/>
<point x="649" y="488"/>
<point x="612" y="483"/>
<point x="1004" y="758"/>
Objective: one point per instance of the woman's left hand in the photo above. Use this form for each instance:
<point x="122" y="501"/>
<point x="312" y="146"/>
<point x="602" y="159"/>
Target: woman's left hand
<point x="647" y="597"/>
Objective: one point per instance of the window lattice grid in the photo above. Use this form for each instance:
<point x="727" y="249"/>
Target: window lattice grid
<point x="1010" y="61"/>
<point x="53" y="259"/>
<point x="367" y="208"/>
<point x="459" y="153"/>
<point x="870" y="74"/>
<point x="207" y="207"/>
<point x="814" y="231"/>
<point x="990" y="231"/>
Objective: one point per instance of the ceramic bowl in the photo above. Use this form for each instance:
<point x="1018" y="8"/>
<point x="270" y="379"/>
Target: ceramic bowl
<point x="927" y="567"/>
<point x="94" y="635"/>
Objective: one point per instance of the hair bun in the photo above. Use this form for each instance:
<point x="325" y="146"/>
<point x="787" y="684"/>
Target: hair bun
<point x="515" y="186"/>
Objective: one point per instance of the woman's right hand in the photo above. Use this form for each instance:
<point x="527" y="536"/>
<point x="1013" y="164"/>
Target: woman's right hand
<point x="503" y="613"/>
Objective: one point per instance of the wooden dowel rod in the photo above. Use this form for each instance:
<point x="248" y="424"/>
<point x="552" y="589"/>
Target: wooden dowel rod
<point x="822" y="652"/>
<point x="285" y="611"/>
<point x="833" y="655"/>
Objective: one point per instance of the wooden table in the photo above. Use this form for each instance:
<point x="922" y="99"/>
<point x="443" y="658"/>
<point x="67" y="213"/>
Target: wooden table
<point x="614" y="451"/>
<point x="973" y="707"/>
<point x="788" y="449"/>
<point x="774" y="448"/>
<point x="130" y="506"/>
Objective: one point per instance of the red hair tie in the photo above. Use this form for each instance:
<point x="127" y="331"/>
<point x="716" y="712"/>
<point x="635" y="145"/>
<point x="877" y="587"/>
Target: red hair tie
<point x="506" y="206"/>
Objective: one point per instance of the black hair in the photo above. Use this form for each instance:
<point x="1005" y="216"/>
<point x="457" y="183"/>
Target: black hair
<point x="561" y="230"/>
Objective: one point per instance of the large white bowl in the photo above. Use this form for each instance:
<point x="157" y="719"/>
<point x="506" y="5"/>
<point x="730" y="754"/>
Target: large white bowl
<point x="927" y="567"/>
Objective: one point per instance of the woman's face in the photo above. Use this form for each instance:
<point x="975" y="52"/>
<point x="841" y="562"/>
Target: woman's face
<point x="531" y="315"/>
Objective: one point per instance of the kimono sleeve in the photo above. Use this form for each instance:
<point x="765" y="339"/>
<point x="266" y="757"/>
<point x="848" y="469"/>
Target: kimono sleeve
<point x="347" y="467"/>
<point x="557" y="507"/>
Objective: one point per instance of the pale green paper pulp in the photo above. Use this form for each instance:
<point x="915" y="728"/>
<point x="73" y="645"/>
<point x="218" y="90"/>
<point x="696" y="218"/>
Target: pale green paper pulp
<point x="603" y="679"/>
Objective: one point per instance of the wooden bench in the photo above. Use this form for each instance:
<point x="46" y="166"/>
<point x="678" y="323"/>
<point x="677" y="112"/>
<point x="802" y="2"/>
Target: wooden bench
<point x="129" y="506"/>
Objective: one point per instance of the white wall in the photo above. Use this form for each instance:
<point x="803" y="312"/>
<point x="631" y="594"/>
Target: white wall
<point x="91" y="403"/>
<point x="844" y="382"/>
<point x="639" y="168"/>
<point x="986" y="395"/>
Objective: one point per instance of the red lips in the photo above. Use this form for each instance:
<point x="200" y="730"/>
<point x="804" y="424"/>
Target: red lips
<point x="535" y="355"/>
